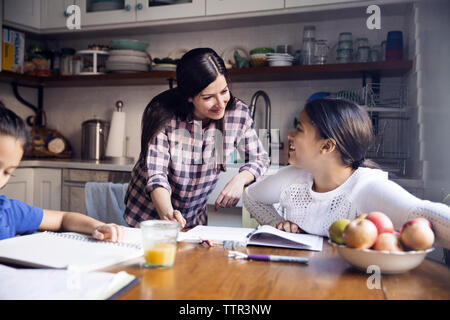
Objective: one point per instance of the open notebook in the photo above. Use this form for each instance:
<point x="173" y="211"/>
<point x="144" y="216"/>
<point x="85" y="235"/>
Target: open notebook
<point x="262" y="236"/>
<point x="61" y="250"/>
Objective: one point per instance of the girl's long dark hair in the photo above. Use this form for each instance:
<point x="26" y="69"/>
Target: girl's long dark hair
<point x="348" y="125"/>
<point x="12" y="125"/>
<point x="195" y="71"/>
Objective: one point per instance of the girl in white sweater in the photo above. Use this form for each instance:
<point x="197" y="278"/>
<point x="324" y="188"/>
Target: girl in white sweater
<point x="329" y="178"/>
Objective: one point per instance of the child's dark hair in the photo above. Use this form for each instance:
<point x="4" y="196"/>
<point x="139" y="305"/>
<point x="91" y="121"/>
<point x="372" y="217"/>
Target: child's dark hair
<point x="348" y="125"/>
<point x="12" y="125"/>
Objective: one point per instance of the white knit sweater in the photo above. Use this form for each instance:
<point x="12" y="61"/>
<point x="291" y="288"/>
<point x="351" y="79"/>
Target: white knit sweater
<point x="366" y="190"/>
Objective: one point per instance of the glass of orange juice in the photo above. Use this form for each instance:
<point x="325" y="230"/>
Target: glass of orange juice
<point x="159" y="240"/>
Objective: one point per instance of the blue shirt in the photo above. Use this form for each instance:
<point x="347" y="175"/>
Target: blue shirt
<point x="17" y="217"/>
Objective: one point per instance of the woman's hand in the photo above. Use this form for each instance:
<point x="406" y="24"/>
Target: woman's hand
<point x="176" y="216"/>
<point x="110" y="232"/>
<point x="232" y="192"/>
<point x="289" y="226"/>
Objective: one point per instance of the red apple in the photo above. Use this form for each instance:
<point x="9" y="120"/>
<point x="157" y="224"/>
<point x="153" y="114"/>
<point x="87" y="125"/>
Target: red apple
<point x="381" y="221"/>
<point x="387" y="241"/>
<point x="360" y="233"/>
<point x="417" y="234"/>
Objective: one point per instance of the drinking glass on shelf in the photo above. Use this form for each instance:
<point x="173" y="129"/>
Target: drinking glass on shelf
<point x="363" y="54"/>
<point x="345" y="36"/>
<point x="321" y="49"/>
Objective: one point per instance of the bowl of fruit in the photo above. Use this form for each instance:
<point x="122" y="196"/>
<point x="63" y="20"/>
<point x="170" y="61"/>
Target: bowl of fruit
<point x="370" y="240"/>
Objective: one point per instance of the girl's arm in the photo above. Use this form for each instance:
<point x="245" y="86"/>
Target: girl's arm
<point x="390" y="198"/>
<point x="260" y="196"/>
<point x="77" y="222"/>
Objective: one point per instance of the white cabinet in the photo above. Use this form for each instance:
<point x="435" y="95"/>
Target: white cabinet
<point x="20" y="186"/>
<point x="53" y="13"/>
<point x="22" y="12"/>
<point x="94" y="12"/>
<point x="101" y="12"/>
<point x="214" y="7"/>
<point x="304" y="3"/>
<point x="147" y="11"/>
<point x="36" y="186"/>
<point x="47" y="188"/>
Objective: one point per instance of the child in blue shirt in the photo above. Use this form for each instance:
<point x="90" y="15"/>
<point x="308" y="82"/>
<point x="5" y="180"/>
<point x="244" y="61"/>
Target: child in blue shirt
<point x="17" y="217"/>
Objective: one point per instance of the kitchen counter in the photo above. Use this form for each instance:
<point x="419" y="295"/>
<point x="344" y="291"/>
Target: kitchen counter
<point x="75" y="164"/>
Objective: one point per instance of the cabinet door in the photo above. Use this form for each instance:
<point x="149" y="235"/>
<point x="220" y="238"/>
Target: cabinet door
<point x="47" y="188"/>
<point x="20" y="186"/>
<point x="94" y="12"/>
<point x="73" y="198"/>
<point x="23" y="12"/>
<point x="303" y="3"/>
<point x="148" y="10"/>
<point x="53" y="13"/>
<point x="237" y="6"/>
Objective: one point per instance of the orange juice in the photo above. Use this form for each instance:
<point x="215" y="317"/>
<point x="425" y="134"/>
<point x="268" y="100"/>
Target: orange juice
<point x="160" y="254"/>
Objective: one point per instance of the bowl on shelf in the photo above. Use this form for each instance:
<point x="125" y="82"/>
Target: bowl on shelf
<point x="126" y="44"/>
<point x="258" y="59"/>
<point x="279" y="59"/>
<point x="388" y="262"/>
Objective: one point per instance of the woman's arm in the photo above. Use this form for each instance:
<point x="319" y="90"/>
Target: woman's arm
<point x="232" y="192"/>
<point x="390" y="198"/>
<point x="77" y="222"/>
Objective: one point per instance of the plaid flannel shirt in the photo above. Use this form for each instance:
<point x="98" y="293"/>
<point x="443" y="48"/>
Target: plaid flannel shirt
<point x="186" y="159"/>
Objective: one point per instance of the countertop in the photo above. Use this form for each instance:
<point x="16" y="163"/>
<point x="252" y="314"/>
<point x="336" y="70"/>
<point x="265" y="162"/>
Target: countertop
<point x="109" y="166"/>
<point x="75" y="164"/>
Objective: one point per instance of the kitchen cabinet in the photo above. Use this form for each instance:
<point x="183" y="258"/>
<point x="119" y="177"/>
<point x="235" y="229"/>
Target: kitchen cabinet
<point x="40" y="187"/>
<point x="53" y="13"/>
<point x="20" y="186"/>
<point x="22" y="12"/>
<point x="304" y="3"/>
<point x="161" y="10"/>
<point x="102" y="13"/>
<point x="215" y="7"/>
<point x="47" y="188"/>
<point x="125" y="11"/>
<point x="74" y="181"/>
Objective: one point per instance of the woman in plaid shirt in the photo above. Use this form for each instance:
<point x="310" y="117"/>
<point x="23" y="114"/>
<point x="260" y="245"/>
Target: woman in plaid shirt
<point x="188" y="135"/>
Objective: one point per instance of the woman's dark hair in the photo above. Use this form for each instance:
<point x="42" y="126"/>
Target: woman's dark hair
<point x="196" y="70"/>
<point x="347" y="124"/>
<point x="12" y="125"/>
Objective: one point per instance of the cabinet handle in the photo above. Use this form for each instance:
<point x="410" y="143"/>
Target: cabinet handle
<point x="139" y="6"/>
<point x="127" y="7"/>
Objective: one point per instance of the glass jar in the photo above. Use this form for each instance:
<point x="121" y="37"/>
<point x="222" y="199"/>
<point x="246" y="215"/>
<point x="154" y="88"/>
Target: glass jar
<point x="309" y="33"/>
<point x="345" y="36"/>
<point x="321" y="49"/>
<point x="66" y="61"/>
<point x="363" y="54"/>
<point x="362" y="42"/>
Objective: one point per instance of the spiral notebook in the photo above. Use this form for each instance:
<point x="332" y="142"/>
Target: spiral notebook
<point x="61" y="250"/>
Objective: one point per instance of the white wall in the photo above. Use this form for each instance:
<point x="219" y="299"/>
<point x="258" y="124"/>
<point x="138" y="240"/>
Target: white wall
<point x="433" y="83"/>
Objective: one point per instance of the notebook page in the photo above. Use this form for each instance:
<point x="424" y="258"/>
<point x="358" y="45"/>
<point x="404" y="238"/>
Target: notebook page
<point x="47" y="249"/>
<point x="43" y="284"/>
<point x="213" y="233"/>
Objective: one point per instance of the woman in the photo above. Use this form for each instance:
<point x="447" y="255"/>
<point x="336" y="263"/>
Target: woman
<point x="188" y="134"/>
<point x="329" y="178"/>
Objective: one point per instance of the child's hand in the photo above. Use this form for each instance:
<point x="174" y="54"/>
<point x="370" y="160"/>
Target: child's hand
<point x="289" y="226"/>
<point x="109" y="232"/>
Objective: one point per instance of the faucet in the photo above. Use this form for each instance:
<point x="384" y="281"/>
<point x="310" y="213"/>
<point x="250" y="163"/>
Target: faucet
<point x="252" y="108"/>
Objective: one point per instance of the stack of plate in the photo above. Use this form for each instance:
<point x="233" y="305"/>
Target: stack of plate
<point x="127" y="61"/>
<point x="104" y="5"/>
<point x="279" y="59"/>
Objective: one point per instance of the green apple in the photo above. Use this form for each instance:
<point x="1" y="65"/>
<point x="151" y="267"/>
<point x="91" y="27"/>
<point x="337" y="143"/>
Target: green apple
<point x="336" y="230"/>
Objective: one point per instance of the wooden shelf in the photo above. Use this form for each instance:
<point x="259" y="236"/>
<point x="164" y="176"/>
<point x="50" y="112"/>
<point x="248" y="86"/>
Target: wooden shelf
<point x="310" y="72"/>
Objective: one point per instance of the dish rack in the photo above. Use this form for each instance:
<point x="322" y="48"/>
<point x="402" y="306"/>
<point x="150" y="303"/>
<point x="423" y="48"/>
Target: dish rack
<point x="386" y="105"/>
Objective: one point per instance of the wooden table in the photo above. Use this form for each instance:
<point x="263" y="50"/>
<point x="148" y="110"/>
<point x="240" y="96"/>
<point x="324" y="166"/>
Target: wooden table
<point x="207" y="273"/>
